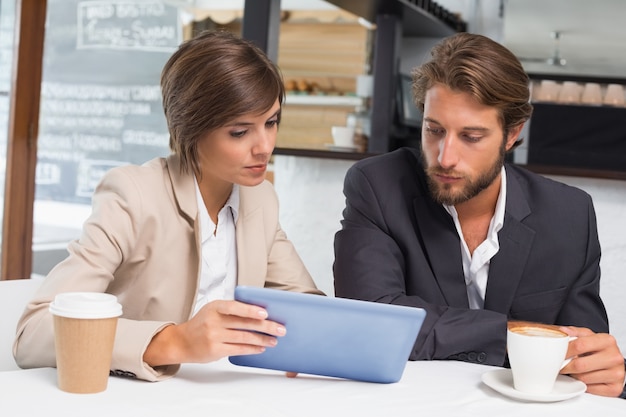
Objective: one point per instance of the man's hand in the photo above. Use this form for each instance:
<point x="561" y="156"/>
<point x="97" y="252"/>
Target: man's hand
<point x="597" y="361"/>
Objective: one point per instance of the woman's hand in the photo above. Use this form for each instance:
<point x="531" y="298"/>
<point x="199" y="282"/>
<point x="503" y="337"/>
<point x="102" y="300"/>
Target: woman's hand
<point x="220" y="328"/>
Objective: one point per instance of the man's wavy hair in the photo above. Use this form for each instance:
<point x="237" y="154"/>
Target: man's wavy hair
<point x="481" y="67"/>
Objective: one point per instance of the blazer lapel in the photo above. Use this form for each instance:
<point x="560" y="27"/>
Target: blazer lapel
<point x="515" y="238"/>
<point x="184" y="193"/>
<point x="251" y="247"/>
<point x="183" y="188"/>
<point x="437" y="233"/>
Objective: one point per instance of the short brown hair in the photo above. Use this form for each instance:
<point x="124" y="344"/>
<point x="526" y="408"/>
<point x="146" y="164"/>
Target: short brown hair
<point x="211" y="80"/>
<point x="479" y="66"/>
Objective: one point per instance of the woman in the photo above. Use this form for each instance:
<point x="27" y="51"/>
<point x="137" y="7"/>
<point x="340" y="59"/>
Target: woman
<point x="172" y="238"/>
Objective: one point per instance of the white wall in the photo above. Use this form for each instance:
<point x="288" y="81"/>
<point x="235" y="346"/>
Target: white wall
<point x="310" y="192"/>
<point x="311" y="202"/>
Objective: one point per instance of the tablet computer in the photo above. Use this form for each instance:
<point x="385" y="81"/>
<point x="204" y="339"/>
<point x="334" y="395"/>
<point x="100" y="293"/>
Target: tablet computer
<point x="335" y="337"/>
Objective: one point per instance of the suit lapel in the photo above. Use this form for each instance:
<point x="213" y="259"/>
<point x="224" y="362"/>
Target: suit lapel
<point x="438" y="232"/>
<point x="515" y="238"/>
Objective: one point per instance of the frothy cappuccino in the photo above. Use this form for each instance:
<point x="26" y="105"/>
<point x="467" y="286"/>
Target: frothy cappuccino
<point x="538" y="331"/>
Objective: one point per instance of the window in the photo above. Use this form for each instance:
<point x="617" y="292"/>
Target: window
<point x="7" y="25"/>
<point x="100" y="107"/>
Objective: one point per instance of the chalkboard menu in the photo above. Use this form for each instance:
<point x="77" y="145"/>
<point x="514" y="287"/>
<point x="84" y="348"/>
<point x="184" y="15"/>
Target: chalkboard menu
<point x="100" y="95"/>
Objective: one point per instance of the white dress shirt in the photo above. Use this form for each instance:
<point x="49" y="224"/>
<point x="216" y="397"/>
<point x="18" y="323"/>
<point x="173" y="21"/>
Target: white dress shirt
<point x="476" y="265"/>
<point x="218" y="270"/>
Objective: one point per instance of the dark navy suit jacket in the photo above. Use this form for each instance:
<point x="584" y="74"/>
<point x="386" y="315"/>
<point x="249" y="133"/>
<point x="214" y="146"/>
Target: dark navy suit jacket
<point x="398" y="246"/>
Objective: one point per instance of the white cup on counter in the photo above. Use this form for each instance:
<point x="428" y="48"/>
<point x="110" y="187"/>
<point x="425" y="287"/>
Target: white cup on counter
<point x="570" y="93"/>
<point x="592" y="94"/>
<point x="548" y="91"/>
<point x="343" y="136"/>
<point x="614" y="95"/>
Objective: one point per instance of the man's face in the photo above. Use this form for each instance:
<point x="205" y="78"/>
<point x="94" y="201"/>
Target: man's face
<point x="463" y="145"/>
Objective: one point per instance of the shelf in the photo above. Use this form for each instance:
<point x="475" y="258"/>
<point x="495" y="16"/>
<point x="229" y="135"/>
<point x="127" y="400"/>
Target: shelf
<point x="415" y="20"/>
<point x="577" y="78"/>
<point x="311" y="100"/>
<point x="539" y="169"/>
<point x="324" y="154"/>
<point x="576" y="172"/>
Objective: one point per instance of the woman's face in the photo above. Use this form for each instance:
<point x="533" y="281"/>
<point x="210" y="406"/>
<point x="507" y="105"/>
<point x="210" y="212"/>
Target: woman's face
<point x="239" y="152"/>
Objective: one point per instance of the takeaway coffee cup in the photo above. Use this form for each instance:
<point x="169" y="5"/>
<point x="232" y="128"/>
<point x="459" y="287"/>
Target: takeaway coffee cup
<point x="84" y="332"/>
<point x="536" y="355"/>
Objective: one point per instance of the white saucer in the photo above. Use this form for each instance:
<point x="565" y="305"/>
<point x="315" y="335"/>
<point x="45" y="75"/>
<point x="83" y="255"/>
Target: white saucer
<point x="565" y="387"/>
<point x="332" y="147"/>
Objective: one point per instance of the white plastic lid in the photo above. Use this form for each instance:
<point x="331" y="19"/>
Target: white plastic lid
<point x="86" y="305"/>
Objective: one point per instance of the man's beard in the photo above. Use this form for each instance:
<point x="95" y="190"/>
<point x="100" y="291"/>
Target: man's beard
<point x="444" y="193"/>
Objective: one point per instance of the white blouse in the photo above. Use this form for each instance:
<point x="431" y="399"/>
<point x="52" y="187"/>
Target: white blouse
<point x="218" y="270"/>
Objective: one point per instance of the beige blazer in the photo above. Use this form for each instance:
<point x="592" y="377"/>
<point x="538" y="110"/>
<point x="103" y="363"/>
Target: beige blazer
<point x="142" y="244"/>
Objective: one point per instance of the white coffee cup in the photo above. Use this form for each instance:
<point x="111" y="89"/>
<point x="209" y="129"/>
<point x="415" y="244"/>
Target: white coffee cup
<point x="343" y="136"/>
<point x="548" y="91"/>
<point x="84" y="333"/>
<point x="536" y="355"/>
<point x="364" y="85"/>
<point x="592" y="94"/>
<point x="614" y="95"/>
<point x="570" y="93"/>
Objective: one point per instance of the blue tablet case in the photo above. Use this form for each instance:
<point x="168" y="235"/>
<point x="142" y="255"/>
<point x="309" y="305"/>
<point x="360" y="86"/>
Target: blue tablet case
<point x="335" y="337"/>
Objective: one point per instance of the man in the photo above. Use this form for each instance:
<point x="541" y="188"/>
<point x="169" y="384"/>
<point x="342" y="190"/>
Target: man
<point x="477" y="242"/>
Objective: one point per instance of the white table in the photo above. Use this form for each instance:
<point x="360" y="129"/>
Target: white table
<point x="437" y="388"/>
